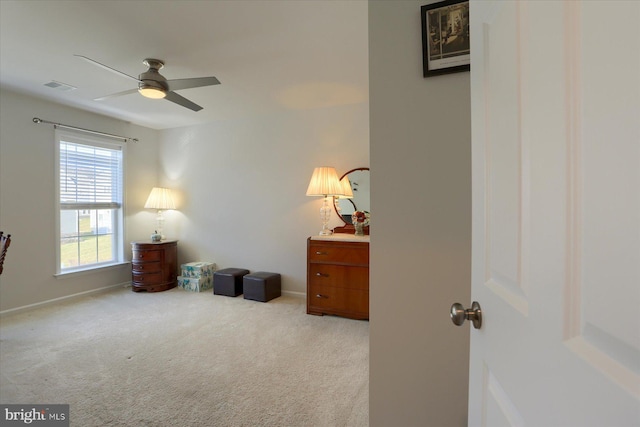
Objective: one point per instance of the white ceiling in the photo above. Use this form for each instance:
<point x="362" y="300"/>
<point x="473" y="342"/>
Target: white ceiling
<point x="268" y="55"/>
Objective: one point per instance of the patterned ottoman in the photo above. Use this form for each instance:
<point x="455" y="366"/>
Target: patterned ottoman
<point x="197" y="276"/>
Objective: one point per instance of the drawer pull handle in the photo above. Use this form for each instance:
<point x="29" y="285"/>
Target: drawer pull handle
<point x="321" y="253"/>
<point x="322" y="275"/>
<point x="321" y="296"/>
<point x="141" y="256"/>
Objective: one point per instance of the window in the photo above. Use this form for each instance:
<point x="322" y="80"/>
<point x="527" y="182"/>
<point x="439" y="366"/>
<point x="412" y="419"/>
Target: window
<point x="89" y="191"/>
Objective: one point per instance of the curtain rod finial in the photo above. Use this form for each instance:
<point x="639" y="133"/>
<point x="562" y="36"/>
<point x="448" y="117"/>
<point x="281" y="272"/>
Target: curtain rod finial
<point x="37" y="120"/>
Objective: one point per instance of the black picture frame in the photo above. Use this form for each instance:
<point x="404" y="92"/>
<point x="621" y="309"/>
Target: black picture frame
<point x="445" y="37"/>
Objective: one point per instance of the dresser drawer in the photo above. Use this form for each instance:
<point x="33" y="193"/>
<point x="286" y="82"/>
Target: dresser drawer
<point x="144" y="256"/>
<point x="147" y="278"/>
<point x="331" y="300"/>
<point x="340" y="276"/>
<point x="146" y="267"/>
<point x="343" y="253"/>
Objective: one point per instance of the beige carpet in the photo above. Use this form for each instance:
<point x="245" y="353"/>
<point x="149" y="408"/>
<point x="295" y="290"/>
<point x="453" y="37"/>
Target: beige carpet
<point x="178" y="358"/>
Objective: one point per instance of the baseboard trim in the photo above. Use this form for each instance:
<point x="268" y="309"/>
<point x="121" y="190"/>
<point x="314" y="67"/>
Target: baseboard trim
<point x="295" y="294"/>
<point x="67" y="297"/>
<point x="3" y="313"/>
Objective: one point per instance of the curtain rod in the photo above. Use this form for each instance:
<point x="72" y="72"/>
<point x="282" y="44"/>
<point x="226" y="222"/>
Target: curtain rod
<point x="95" y="132"/>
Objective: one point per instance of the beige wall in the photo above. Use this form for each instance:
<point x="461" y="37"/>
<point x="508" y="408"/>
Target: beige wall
<point x="421" y="246"/>
<point x="27" y="198"/>
<point x="242" y="185"/>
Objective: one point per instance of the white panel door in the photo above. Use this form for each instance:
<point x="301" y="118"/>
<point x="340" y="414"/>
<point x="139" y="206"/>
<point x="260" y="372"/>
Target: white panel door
<point x="555" y="89"/>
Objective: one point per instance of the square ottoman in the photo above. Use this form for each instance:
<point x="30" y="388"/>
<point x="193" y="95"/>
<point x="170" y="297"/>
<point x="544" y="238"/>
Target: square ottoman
<point x="261" y="286"/>
<point x="228" y="281"/>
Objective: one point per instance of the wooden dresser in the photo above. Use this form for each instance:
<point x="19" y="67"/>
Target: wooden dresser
<point x="338" y="275"/>
<point x="154" y="265"/>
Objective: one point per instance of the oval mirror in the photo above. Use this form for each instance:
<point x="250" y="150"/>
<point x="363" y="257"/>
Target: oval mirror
<point x="359" y="182"/>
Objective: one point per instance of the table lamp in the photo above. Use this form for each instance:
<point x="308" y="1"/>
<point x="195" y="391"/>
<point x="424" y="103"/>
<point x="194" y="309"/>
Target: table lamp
<point x="324" y="182"/>
<point x="160" y="199"/>
<point x="348" y="194"/>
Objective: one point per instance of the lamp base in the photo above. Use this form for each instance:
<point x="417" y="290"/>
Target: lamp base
<point x="160" y="225"/>
<point x="325" y="214"/>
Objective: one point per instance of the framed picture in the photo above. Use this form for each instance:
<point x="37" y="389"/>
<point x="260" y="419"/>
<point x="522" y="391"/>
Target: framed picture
<point x="445" y="37"/>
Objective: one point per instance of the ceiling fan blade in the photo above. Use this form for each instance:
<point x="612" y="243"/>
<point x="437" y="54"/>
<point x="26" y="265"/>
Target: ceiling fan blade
<point x="180" y="100"/>
<point x="178" y="84"/>
<point x="106" y="67"/>
<point x="113" y="95"/>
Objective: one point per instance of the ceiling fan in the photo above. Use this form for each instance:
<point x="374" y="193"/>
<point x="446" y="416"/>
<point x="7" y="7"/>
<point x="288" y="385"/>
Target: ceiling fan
<point x="152" y="84"/>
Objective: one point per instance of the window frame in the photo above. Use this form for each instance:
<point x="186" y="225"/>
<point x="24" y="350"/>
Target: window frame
<point x="96" y="141"/>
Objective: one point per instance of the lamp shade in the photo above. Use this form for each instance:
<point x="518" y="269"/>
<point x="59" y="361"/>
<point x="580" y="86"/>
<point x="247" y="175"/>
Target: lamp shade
<point x="346" y="188"/>
<point x="160" y="198"/>
<point x="325" y="182"/>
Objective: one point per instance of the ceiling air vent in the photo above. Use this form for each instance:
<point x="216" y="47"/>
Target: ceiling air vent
<point x="59" y="86"/>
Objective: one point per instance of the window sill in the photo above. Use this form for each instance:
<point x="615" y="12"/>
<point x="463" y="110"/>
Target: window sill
<point x="90" y="270"/>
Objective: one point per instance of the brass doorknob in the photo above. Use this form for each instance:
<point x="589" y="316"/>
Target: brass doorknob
<point x="459" y="314"/>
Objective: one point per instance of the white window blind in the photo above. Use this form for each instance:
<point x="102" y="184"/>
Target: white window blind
<point x="90" y="200"/>
<point x="90" y="177"/>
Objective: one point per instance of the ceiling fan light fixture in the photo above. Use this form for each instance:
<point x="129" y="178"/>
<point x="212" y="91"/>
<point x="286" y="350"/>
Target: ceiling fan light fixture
<point x="151" y="92"/>
<point x="153" y="85"/>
